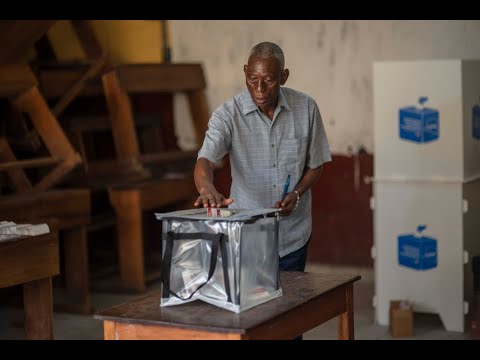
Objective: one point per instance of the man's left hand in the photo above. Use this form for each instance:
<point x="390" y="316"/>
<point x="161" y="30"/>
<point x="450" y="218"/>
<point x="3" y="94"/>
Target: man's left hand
<point x="287" y="205"/>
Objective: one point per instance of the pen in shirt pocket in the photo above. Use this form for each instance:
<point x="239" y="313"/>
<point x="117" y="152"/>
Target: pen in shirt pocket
<point x="285" y="188"/>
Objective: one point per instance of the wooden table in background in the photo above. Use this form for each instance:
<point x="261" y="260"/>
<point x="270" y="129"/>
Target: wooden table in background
<point x="32" y="261"/>
<point x="308" y="300"/>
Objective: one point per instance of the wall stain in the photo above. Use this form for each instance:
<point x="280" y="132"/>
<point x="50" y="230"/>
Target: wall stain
<point x="331" y="58"/>
<point x="354" y="87"/>
<point x="322" y="32"/>
<point x="344" y="30"/>
<point x="367" y="84"/>
<point x="350" y="29"/>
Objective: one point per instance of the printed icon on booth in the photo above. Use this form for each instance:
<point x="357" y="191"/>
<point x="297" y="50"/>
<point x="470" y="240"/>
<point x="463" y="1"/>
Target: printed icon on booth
<point x="419" y="124"/>
<point x="417" y="251"/>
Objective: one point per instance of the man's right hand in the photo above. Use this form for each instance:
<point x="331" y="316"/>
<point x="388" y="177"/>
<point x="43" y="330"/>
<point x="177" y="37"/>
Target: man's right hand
<point x="209" y="197"/>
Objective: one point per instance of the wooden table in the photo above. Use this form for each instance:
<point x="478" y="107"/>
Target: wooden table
<point x="32" y="261"/>
<point x="308" y="300"/>
<point x="67" y="211"/>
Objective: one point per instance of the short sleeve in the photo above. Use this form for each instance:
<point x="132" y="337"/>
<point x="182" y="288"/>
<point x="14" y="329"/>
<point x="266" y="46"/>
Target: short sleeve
<point x="218" y="137"/>
<point x="318" y="148"/>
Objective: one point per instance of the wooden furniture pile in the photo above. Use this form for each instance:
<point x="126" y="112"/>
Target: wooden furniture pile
<point x="47" y="173"/>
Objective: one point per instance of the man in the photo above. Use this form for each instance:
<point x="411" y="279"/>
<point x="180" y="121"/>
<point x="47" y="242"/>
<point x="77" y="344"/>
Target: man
<point x="272" y="133"/>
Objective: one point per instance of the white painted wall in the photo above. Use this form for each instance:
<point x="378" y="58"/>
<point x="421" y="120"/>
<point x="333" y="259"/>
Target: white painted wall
<point x="332" y="60"/>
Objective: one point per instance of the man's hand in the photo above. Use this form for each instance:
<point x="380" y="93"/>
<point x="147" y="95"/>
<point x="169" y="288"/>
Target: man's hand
<point x="209" y="197"/>
<point x="287" y="205"/>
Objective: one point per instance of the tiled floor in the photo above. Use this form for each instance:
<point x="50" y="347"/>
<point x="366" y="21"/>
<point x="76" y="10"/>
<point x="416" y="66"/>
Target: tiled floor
<point x="68" y="326"/>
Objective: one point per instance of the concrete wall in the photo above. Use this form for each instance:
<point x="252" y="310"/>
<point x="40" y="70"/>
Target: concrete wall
<point x="331" y="60"/>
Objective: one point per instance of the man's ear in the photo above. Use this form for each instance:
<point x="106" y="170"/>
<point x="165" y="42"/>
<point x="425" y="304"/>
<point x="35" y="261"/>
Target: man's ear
<point x="285" y="74"/>
<point x="245" y="69"/>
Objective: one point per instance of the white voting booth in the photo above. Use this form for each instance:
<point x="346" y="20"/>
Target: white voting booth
<point x="427" y="186"/>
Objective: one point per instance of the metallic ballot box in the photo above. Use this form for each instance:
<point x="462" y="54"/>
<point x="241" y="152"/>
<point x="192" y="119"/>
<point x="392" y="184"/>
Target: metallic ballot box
<point x="228" y="258"/>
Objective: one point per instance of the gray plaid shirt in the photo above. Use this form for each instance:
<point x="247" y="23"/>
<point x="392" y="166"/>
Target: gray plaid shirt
<point x="264" y="152"/>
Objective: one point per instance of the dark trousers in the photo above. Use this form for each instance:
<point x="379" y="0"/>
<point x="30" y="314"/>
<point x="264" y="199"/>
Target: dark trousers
<point x="295" y="261"/>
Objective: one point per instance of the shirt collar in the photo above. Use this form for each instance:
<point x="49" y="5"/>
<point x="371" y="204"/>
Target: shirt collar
<point x="249" y="105"/>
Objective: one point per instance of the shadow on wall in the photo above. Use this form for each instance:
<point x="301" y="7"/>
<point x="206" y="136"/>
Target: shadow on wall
<point x="342" y="230"/>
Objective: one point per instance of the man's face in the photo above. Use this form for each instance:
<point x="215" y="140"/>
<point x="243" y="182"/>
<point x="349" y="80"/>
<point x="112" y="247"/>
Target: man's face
<point x="263" y="78"/>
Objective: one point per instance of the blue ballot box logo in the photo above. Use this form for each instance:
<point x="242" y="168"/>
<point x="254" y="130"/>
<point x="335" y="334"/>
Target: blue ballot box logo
<point x="419" y="124"/>
<point x="417" y="251"/>
<point x="476" y="122"/>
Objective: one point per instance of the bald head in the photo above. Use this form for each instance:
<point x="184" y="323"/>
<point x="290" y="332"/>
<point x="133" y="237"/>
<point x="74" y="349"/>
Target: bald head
<point x="267" y="49"/>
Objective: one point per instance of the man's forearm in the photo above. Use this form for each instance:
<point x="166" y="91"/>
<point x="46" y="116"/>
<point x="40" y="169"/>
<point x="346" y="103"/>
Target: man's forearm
<point x="203" y="174"/>
<point x="309" y="177"/>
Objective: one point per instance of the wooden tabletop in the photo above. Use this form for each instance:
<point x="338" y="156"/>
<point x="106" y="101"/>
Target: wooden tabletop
<point x="298" y="290"/>
<point x="28" y="258"/>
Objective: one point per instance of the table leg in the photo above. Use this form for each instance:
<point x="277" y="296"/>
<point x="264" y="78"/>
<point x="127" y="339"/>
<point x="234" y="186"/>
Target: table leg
<point x="37" y="302"/>
<point x="76" y="270"/>
<point x="345" y="320"/>
<point x="108" y="330"/>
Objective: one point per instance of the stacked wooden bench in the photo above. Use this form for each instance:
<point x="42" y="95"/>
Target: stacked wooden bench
<point x="131" y="185"/>
<point x="67" y="210"/>
<point x="30" y="200"/>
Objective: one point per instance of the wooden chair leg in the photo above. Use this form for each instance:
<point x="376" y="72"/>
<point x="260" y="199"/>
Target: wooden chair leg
<point x="121" y="117"/>
<point x="37" y="301"/>
<point x="76" y="271"/>
<point x="130" y="238"/>
<point x="18" y="177"/>
<point x="34" y="104"/>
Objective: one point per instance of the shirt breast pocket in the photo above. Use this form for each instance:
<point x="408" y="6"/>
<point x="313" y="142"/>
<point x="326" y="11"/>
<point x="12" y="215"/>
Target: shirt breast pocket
<point x="293" y="153"/>
<point x="295" y="149"/>
<point x="288" y="151"/>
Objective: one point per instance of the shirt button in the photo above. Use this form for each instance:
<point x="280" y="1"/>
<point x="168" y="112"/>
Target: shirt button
<point x="274" y="185"/>
<point x="274" y="165"/>
<point x="273" y="145"/>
